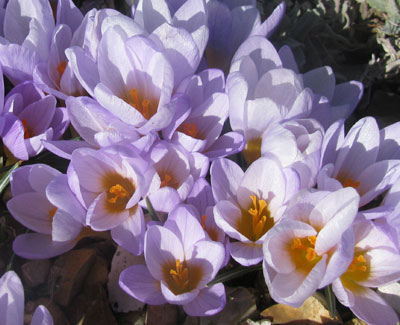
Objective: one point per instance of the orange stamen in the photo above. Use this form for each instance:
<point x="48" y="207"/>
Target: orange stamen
<point x="27" y="132"/>
<point x="118" y="191"/>
<point x="180" y="275"/>
<point x="349" y="182"/>
<point x="190" y="129"/>
<point x="203" y="221"/>
<point x="61" y="68"/>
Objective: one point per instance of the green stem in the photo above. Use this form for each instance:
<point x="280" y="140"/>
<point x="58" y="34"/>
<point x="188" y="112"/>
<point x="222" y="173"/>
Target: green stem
<point x="6" y="178"/>
<point x="236" y="273"/>
<point x="331" y="300"/>
<point x="150" y="208"/>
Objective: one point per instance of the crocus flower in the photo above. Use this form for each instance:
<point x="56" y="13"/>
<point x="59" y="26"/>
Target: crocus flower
<point x="250" y="203"/>
<point x="311" y="246"/>
<point x="198" y="127"/>
<point x="30" y="116"/>
<point x="351" y="160"/>
<point x="230" y="24"/>
<point x="180" y="261"/>
<point x="135" y="80"/>
<point x="12" y="303"/>
<point x="331" y="102"/>
<point x="28" y="29"/>
<point x="179" y="28"/>
<point x="43" y="202"/>
<point x="376" y="262"/>
<point x="110" y="183"/>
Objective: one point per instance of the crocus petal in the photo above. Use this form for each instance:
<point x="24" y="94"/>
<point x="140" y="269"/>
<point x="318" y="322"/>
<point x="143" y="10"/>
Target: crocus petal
<point x="41" y="316"/>
<point x="161" y="247"/>
<point x="38" y="246"/>
<point x="180" y="299"/>
<point x="64" y="227"/>
<point x="137" y="281"/>
<point x="225" y="179"/>
<point x="185" y="225"/>
<point x="100" y="218"/>
<point x="60" y="195"/>
<point x="32" y="210"/>
<point x="130" y="233"/>
<point x="246" y="254"/>
<point x="209" y="301"/>
<point x="11" y="299"/>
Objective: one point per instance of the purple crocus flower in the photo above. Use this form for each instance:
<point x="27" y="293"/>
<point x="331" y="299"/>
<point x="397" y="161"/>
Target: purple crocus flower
<point x="331" y="102"/>
<point x="12" y="303"/>
<point x="250" y="203"/>
<point x="43" y="202"/>
<point x="311" y="246"/>
<point x="180" y="261"/>
<point x="376" y="262"/>
<point x="198" y="127"/>
<point x="28" y="29"/>
<point x="132" y="79"/>
<point x="179" y="28"/>
<point x="110" y="183"/>
<point x="30" y="117"/>
<point x="230" y="24"/>
<point x="351" y="160"/>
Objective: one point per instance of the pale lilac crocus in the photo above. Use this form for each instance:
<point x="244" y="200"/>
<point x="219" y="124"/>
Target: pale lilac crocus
<point x="29" y="117"/>
<point x="134" y="80"/>
<point x="250" y="203"/>
<point x="230" y="24"/>
<point x="173" y="166"/>
<point x="198" y="127"/>
<point x="28" y="29"/>
<point x="376" y="262"/>
<point x="12" y="303"/>
<point x="352" y="160"/>
<point x="43" y="202"/>
<point x="179" y="28"/>
<point x="98" y="128"/>
<point x="180" y="262"/>
<point x="110" y="183"/>
<point x="311" y="246"/>
<point x="331" y="101"/>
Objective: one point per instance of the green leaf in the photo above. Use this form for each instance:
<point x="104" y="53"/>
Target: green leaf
<point x="6" y="178"/>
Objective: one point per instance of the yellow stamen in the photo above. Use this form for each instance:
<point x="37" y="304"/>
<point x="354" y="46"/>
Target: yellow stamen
<point x="145" y="106"/>
<point x="166" y="180"/>
<point x="302" y="252"/>
<point x="190" y="129"/>
<point x="180" y="275"/>
<point x="118" y="191"/>
<point x="358" y="270"/>
<point x="52" y="212"/>
<point x="61" y="68"/>
<point x="256" y="221"/>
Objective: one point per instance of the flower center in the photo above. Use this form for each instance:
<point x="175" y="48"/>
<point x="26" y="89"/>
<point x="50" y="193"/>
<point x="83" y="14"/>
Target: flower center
<point x="27" y="132"/>
<point x="145" y="106"/>
<point x="119" y="190"/>
<point x="349" y="182"/>
<point x="256" y="221"/>
<point x="52" y="212"/>
<point x="61" y="68"/>
<point x="190" y="129"/>
<point x="302" y="252"/>
<point x="252" y="150"/>
<point x="179" y="278"/>
<point x="358" y="270"/>
<point x="168" y="179"/>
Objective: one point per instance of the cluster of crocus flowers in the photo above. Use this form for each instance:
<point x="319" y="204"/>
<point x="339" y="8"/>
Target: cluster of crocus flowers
<point x="159" y="100"/>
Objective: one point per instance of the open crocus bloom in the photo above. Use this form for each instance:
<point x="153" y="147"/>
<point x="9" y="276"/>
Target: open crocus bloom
<point x="43" y="202"/>
<point x="180" y="261"/>
<point x="311" y="246"/>
<point x="352" y="160"/>
<point x="249" y="203"/>
<point x="110" y="183"/>
<point x="12" y="303"/>
<point x="376" y="262"/>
